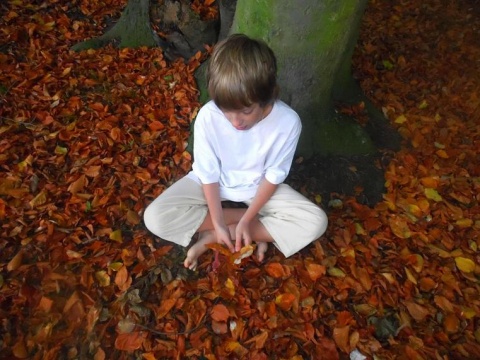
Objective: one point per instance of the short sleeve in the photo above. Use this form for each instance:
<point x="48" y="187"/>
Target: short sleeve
<point x="283" y="152"/>
<point x="206" y="165"/>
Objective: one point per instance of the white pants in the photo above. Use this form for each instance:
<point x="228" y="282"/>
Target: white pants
<point x="292" y="220"/>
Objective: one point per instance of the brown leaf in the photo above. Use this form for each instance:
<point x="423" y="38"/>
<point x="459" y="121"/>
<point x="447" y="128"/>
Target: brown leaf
<point x="78" y="185"/>
<point x="418" y="312"/>
<point x="15" y="262"/>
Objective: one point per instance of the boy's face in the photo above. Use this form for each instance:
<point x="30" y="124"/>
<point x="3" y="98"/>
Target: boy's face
<point x="247" y="117"/>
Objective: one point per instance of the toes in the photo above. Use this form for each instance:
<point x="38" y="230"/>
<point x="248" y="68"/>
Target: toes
<point x="190" y="263"/>
<point x="261" y="250"/>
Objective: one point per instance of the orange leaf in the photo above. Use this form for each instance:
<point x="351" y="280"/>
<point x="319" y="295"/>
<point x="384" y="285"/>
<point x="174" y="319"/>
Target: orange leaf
<point x="275" y="270"/>
<point x="165" y="307"/>
<point x="93" y="171"/>
<point x="130" y="341"/>
<point x="222" y="249"/>
<point x="451" y="323"/>
<point x="122" y="279"/>
<point x="399" y="227"/>
<point x="341" y="337"/>
<point x="316" y="271"/>
<point x="19" y="350"/>
<point x="430" y="181"/>
<point x="219" y="327"/>
<point x="156" y="125"/>
<point x="443" y="303"/>
<point x="259" y="340"/>
<point x="2" y="209"/>
<point x="220" y="313"/>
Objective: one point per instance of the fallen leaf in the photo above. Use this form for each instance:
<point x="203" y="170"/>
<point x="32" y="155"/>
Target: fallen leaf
<point x="464" y="264"/>
<point x="220" y="313"/>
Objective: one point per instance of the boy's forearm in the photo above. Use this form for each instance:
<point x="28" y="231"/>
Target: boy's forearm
<point x="264" y="193"/>
<point x="212" y="195"/>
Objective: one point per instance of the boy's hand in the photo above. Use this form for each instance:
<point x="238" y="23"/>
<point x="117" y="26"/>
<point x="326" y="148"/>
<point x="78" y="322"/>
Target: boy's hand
<point x="223" y="237"/>
<point x="242" y="232"/>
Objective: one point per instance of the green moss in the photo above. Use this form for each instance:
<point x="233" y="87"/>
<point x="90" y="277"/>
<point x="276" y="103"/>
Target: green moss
<point x="341" y="136"/>
<point x="256" y="19"/>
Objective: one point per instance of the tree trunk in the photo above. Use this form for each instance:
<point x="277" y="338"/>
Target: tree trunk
<point x="132" y="29"/>
<point x="314" y="42"/>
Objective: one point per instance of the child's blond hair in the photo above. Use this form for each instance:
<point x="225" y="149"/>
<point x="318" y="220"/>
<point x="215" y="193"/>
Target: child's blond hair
<point x="242" y="71"/>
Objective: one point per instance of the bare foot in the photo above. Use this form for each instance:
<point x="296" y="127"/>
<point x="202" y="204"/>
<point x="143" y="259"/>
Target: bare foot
<point x="197" y="249"/>
<point x="262" y="248"/>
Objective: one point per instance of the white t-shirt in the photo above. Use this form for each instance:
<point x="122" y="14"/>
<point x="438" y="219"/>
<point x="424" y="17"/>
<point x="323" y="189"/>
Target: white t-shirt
<point x="239" y="159"/>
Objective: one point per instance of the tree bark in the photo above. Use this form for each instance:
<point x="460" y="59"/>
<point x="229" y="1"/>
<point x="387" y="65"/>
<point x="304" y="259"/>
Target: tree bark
<point x="314" y="42"/>
<point x="132" y="30"/>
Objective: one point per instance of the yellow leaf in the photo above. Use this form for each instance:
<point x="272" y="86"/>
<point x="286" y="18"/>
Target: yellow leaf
<point x="230" y="286"/>
<point x="389" y="278"/>
<point x="38" y="200"/>
<point x="410" y="276"/>
<point x="432" y="194"/>
<point x="464" y="223"/>
<point x="468" y="313"/>
<point x="401" y="119"/>
<point x="115" y="266"/>
<point x="359" y="230"/>
<point x="335" y="272"/>
<point x="59" y="150"/>
<point x="414" y="210"/>
<point x="465" y="264"/>
<point x="102" y="278"/>
<point x="423" y="104"/>
<point x="116" y="236"/>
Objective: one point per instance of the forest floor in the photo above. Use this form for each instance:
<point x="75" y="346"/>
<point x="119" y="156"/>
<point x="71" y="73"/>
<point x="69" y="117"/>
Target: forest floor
<point x="88" y="140"/>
